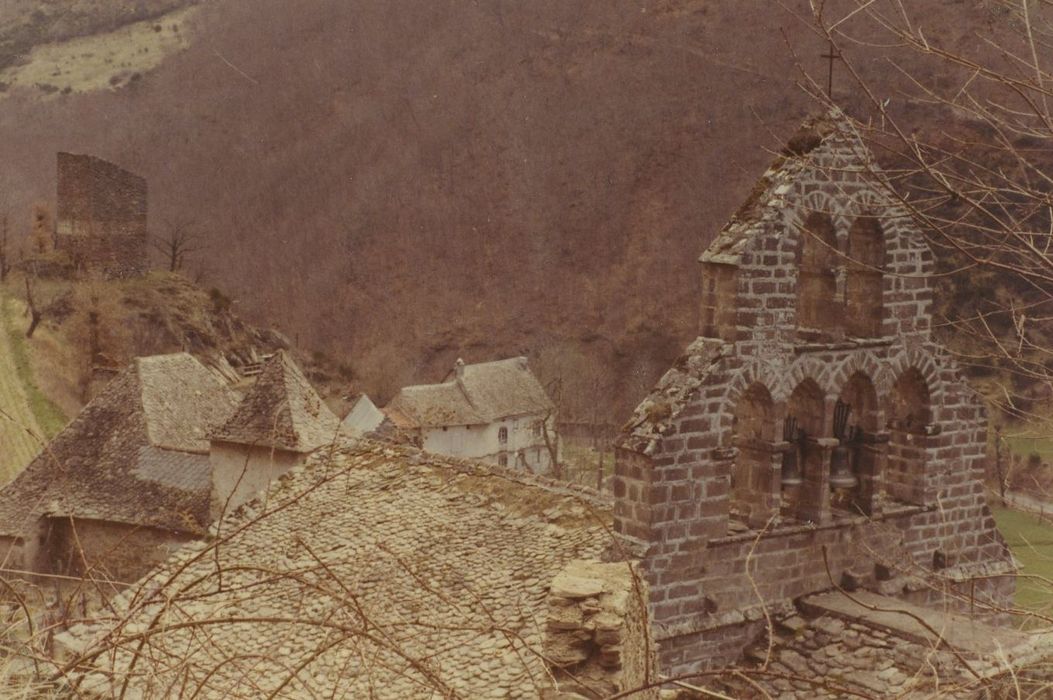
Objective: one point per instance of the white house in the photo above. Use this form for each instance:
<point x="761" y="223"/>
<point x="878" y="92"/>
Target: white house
<point x="494" y="411"/>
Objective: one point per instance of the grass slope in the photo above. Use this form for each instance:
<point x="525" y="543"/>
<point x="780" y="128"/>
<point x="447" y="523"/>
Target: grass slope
<point x="1032" y="543"/>
<point x="27" y="417"/>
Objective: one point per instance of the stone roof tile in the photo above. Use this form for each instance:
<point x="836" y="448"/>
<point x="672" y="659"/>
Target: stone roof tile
<point x="281" y="410"/>
<point x="115" y="461"/>
<point x="377" y="570"/>
<point x="472" y="395"/>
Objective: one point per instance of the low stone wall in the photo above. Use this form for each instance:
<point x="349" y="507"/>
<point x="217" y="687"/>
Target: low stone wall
<point x="597" y="636"/>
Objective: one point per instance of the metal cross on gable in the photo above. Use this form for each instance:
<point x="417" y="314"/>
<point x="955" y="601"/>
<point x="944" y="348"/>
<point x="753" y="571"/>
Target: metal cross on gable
<point x="831" y="55"/>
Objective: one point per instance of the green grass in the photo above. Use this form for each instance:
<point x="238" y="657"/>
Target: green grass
<point x="49" y="417"/>
<point x="1032" y="543"/>
<point x="1026" y="445"/>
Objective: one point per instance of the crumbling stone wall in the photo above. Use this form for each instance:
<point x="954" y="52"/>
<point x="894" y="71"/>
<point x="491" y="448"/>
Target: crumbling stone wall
<point x="597" y="637"/>
<point x="101" y="221"/>
<point x="870" y="464"/>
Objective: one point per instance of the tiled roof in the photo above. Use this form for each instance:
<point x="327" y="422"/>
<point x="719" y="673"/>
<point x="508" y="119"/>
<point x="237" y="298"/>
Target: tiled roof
<point x="767" y="200"/>
<point x="177" y="402"/>
<point x="115" y="460"/>
<point x="477" y="394"/>
<point x="281" y="410"/>
<point x="504" y="388"/>
<point x="378" y="571"/>
<point x="433" y="405"/>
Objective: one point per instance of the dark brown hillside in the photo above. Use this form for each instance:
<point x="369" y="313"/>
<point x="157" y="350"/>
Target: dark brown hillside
<point x="397" y="183"/>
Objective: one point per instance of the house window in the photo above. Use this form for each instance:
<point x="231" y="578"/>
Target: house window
<point x="502" y="436"/>
<point x="537" y="429"/>
<point x="502" y="458"/>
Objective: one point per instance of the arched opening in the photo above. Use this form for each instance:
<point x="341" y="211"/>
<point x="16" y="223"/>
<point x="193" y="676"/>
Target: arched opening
<point x="819" y="311"/>
<point x="802" y="462"/>
<point x="855" y="464"/>
<point x="753" y="491"/>
<point x="910" y="418"/>
<point x="864" y="282"/>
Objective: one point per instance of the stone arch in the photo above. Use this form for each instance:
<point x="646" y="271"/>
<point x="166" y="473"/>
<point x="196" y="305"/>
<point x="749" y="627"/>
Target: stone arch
<point x="866" y="362"/>
<point x="752" y="490"/>
<point x="755" y="372"/>
<point x="807" y="403"/>
<point x="869" y="200"/>
<point x="860" y="393"/>
<point x="860" y="456"/>
<point x="910" y="403"/>
<point x="864" y="278"/>
<point x="819" y="304"/>
<point x="807" y="367"/>
<point x="916" y="358"/>
<point x="802" y="464"/>
<point x="909" y="414"/>
<point x="818" y="201"/>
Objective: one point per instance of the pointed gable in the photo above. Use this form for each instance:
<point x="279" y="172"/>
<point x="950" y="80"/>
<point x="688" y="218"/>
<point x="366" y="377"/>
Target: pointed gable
<point x="821" y="143"/>
<point x="282" y="410"/>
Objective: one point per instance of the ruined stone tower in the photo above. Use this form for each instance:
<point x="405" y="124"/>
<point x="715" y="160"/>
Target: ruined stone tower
<point x="101" y="221"/>
<point x="814" y="433"/>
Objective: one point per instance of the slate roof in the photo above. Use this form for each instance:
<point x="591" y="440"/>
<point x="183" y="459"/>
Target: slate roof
<point x="434" y="583"/>
<point x="472" y="395"/>
<point x="767" y="200"/>
<point x="136" y="454"/>
<point x="281" y="410"/>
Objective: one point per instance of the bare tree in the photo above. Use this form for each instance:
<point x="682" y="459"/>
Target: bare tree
<point x="180" y="240"/>
<point x="5" y="255"/>
<point x="34" y="311"/>
<point x="965" y="142"/>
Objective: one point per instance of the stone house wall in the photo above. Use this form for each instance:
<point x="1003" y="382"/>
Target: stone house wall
<point x="483" y="441"/>
<point x="239" y="472"/>
<point x="110" y="551"/>
<point x="736" y="505"/>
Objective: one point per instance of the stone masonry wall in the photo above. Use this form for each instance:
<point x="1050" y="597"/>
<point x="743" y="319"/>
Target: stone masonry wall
<point x="597" y="640"/>
<point x="112" y="551"/>
<point x="913" y="522"/>
<point x="101" y="215"/>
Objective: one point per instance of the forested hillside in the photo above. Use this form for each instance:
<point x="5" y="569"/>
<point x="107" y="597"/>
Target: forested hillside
<point x="399" y="183"/>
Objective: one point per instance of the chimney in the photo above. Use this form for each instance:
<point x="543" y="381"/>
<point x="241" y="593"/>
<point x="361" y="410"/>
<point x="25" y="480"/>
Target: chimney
<point x="458" y="367"/>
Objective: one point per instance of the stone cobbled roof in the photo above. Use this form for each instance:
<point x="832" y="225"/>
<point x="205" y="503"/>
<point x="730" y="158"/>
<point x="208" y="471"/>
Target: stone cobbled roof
<point x="376" y="571"/>
<point x="281" y="410"/>
<point x="137" y="454"/>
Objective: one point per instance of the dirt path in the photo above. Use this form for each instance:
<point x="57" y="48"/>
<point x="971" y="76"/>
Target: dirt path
<point x="20" y="435"/>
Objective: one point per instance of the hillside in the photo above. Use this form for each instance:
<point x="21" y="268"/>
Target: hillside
<point x="396" y="184"/>
<point x="90" y="329"/>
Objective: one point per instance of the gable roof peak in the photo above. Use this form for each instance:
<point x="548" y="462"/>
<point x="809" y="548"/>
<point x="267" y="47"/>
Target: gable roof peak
<point x="281" y="410"/>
